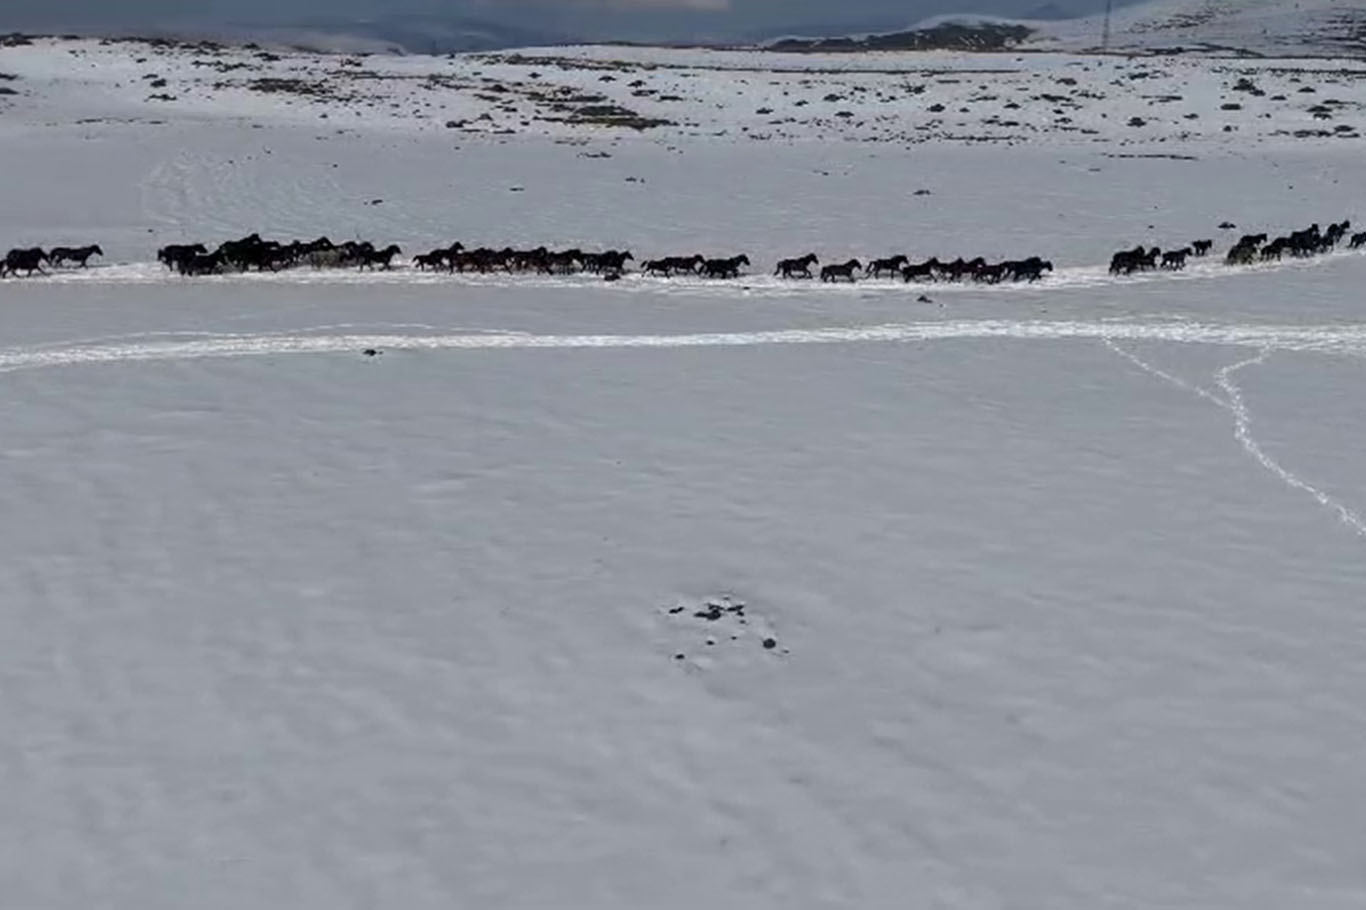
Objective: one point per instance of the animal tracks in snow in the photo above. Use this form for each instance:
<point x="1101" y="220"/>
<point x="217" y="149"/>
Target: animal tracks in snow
<point x="1234" y="403"/>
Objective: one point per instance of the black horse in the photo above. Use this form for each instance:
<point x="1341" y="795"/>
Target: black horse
<point x="79" y="255"/>
<point x="1357" y="241"/>
<point x="796" y="268"/>
<point x="1030" y="269"/>
<point x="201" y="263"/>
<point x="484" y="260"/>
<point x="268" y="255"/>
<point x="560" y="262"/>
<point x="891" y="266"/>
<point x="842" y="271"/>
<point x="172" y="255"/>
<point x="994" y="273"/>
<point x="1242" y="254"/>
<point x="724" y="268"/>
<point x="670" y="265"/>
<point x="241" y="253"/>
<point x="1201" y="247"/>
<point x="1175" y="260"/>
<point x="959" y="268"/>
<point x="434" y="260"/>
<point x="921" y="271"/>
<point x="371" y="258"/>
<point x="1123" y="262"/>
<point x="30" y="261"/>
<point x="1138" y="259"/>
<point x="1276" y="249"/>
<point x="612" y="262"/>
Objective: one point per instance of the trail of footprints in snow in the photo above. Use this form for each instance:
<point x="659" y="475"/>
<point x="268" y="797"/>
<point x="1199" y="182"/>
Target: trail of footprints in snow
<point x="1242" y="427"/>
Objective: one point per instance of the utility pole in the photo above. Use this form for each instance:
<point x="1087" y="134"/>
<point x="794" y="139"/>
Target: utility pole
<point x="1105" y="35"/>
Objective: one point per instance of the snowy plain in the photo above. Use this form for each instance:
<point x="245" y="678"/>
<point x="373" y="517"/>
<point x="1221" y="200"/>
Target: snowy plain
<point x="1064" y="580"/>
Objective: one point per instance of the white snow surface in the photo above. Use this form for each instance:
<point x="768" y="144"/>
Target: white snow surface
<point x="1064" y="581"/>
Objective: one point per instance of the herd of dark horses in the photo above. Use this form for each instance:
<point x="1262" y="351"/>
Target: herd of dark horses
<point x="1250" y="248"/>
<point x="1126" y="262"/>
<point x="932" y="269"/>
<point x="253" y="252"/>
<point x="1312" y="241"/>
<point x="541" y="260"/>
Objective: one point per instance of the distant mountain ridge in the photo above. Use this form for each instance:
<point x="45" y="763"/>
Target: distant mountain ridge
<point x="397" y="34"/>
<point x="952" y="35"/>
<point x="1249" y="27"/>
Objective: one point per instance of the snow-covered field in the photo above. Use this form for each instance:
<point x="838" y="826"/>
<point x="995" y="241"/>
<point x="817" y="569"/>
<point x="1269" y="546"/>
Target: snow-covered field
<point x="1063" y="582"/>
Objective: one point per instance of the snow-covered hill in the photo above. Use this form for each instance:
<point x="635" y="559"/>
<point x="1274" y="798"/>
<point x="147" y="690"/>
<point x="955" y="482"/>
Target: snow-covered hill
<point x="1269" y="27"/>
<point x="329" y="589"/>
<point x="590" y="93"/>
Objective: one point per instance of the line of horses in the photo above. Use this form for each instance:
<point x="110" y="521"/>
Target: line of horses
<point x="254" y="252"/>
<point x="1139" y="259"/>
<point x="31" y="260"/>
<point x="458" y="258"/>
<point x="610" y="264"/>
<point x="932" y="269"/>
<point x="1249" y="249"/>
<point x="1312" y="241"/>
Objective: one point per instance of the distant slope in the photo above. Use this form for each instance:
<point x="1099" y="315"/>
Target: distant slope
<point x="435" y="34"/>
<point x="964" y="36"/>
<point x="1268" y="27"/>
<point x="393" y="34"/>
<point x="441" y="34"/>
